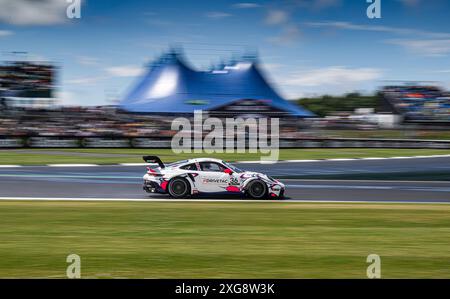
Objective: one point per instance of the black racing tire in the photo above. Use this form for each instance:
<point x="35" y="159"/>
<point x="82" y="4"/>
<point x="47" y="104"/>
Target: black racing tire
<point x="257" y="189"/>
<point x="179" y="188"/>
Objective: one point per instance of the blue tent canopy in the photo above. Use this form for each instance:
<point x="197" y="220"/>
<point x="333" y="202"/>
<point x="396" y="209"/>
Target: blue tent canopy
<point x="171" y="86"/>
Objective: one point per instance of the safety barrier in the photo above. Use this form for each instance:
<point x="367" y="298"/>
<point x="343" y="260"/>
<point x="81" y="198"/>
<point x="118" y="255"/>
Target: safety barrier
<point x="165" y="142"/>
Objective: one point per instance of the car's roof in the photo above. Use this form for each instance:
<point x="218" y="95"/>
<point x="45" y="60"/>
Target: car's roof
<point x="184" y="162"/>
<point x="204" y="160"/>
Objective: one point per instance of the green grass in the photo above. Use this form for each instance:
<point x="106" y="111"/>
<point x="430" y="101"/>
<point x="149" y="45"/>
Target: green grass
<point x="388" y="176"/>
<point x="113" y="156"/>
<point x="223" y="240"/>
<point x="388" y="134"/>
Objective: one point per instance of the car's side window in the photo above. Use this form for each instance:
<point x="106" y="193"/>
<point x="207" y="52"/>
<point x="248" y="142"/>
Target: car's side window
<point x="211" y="166"/>
<point x="189" y="167"/>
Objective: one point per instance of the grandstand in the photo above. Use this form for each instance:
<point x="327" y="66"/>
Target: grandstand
<point x="27" y="79"/>
<point x="418" y="103"/>
<point x="26" y="84"/>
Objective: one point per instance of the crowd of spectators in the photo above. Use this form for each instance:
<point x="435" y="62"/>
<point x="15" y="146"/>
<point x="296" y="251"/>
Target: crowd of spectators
<point x="28" y="79"/>
<point x="80" y="122"/>
<point x="413" y="102"/>
<point x="101" y="121"/>
<point x="419" y="103"/>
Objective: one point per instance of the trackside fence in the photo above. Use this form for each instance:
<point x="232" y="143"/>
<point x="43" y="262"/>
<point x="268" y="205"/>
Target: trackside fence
<point x="16" y="142"/>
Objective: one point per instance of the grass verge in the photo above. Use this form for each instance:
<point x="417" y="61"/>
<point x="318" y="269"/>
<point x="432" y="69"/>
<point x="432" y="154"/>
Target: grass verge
<point x="114" y="156"/>
<point x="223" y="240"/>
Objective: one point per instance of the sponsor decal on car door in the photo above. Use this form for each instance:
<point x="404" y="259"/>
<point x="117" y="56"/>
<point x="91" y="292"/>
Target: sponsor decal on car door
<point x="212" y="178"/>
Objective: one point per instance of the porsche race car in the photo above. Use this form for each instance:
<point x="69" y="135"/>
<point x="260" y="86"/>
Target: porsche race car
<point x="205" y="175"/>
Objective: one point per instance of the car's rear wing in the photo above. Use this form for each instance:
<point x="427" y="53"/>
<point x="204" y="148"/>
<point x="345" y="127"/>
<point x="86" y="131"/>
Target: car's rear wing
<point x="154" y="159"/>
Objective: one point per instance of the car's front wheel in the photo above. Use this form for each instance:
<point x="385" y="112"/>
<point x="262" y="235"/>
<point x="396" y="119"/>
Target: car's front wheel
<point x="179" y="188"/>
<point x="257" y="189"/>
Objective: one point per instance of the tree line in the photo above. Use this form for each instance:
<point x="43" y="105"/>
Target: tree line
<point x="326" y="105"/>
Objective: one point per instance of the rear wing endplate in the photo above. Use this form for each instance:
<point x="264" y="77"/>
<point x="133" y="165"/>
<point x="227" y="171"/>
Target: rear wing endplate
<point x="154" y="159"/>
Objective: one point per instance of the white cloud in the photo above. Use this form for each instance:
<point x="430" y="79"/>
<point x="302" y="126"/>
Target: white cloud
<point x="36" y="12"/>
<point x="289" y="34"/>
<point x="427" y="43"/>
<point x="336" y="75"/>
<point x="276" y="17"/>
<point x="334" y="80"/>
<point x="66" y="98"/>
<point x="4" y="33"/>
<point x="441" y="71"/>
<point x="217" y="15"/>
<point x="113" y="71"/>
<point x="86" y="80"/>
<point x="289" y="31"/>
<point x="246" y="5"/>
<point x="125" y="71"/>
<point x="426" y="47"/>
<point x="377" y="28"/>
<point x="88" y="61"/>
<point x="272" y="66"/>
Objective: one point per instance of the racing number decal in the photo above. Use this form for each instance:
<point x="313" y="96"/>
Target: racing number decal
<point x="234" y="181"/>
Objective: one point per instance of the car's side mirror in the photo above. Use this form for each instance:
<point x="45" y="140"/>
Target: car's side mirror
<point x="228" y="171"/>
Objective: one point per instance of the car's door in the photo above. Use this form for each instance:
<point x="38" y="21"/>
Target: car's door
<point x="212" y="177"/>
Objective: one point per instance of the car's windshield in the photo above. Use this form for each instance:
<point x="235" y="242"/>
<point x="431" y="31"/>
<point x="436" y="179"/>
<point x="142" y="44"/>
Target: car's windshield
<point x="232" y="167"/>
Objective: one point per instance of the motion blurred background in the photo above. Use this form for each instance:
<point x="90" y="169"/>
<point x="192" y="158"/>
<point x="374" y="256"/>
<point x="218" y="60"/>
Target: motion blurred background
<point x="125" y="71"/>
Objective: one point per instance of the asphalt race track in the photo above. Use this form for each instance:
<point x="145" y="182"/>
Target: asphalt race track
<point x="124" y="182"/>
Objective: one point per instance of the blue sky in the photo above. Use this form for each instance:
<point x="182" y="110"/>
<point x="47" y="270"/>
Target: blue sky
<point x="307" y="47"/>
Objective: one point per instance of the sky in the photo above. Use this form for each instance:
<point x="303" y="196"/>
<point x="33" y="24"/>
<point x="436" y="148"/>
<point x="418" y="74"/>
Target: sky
<point x="306" y="47"/>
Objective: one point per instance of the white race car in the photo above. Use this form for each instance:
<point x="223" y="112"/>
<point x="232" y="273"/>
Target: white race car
<point x="204" y="175"/>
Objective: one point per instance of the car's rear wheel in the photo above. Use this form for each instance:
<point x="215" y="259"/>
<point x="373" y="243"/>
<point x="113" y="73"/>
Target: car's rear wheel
<point x="257" y="189"/>
<point x="179" y="188"/>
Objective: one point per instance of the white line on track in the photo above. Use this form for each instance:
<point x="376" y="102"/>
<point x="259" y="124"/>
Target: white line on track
<point x="72" y="165"/>
<point x="72" y="176"/>
<point x="211" y="200"/>
<point x="341" y="159"/>
<point x="347" y="159"/>
<point x="374" y="158"/>
<point x="371" y="187"/>
<point x="364" y="181"/>
<point x="246" y="162"/>
<point x="300" y="161"/>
